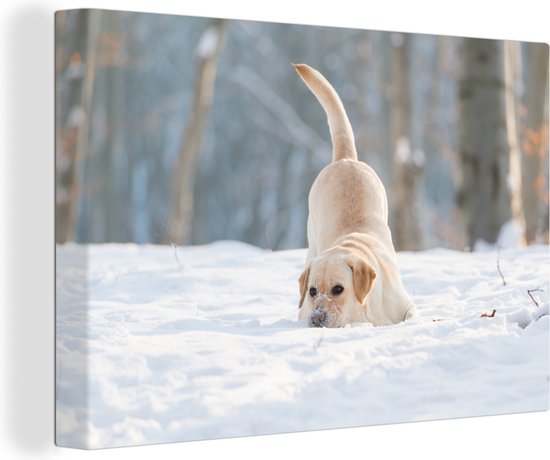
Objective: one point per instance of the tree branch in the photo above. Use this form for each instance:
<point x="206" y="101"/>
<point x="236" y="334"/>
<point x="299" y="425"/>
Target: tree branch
<point x="489" y="315"/>
<point x="301" y="133"/>
<point x="498" y="266"/>
<point x="529" y="291"/>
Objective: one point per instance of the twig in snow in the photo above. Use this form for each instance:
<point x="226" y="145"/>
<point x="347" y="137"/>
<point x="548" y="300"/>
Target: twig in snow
<point x="176" y="255"/>
<point x="529" y="291"/>
<point x="498" y="266"/>
<point x="319" y="341"/>
<point x="488" y="315"/>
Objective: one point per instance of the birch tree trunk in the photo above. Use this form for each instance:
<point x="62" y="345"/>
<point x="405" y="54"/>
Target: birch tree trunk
<point x="181" y="212"/>
<point x="484" y="197"/>
<point x="511" y="67"/>
<point x="534" y="139"/>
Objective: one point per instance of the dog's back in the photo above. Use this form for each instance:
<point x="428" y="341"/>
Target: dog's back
<point x="346" y="197"/>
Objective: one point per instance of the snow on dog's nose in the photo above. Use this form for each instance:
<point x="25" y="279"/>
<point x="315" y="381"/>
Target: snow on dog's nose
<point x="318" y="317"/>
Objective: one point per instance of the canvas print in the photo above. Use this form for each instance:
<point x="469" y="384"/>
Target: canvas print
<point x="265" y="228"/>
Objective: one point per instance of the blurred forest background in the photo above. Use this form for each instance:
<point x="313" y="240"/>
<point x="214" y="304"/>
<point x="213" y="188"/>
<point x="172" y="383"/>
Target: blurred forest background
<point x="183" y="130"/>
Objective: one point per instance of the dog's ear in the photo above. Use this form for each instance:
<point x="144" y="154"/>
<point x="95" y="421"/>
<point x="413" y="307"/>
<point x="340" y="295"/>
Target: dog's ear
<point x="363" y="277"/>
<point x="304" y="279"/>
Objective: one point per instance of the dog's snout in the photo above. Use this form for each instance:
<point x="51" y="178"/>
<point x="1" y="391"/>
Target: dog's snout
<point x="318" y="318"/>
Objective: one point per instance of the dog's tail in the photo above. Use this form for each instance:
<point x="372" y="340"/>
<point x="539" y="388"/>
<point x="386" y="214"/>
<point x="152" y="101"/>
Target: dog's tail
<point x="343" y="142"/>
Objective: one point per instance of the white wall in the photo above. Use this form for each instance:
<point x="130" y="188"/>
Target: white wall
<point x="26" y="231"/>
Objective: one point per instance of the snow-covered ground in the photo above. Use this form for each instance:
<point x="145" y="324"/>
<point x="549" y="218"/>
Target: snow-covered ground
<point x="156" y="344"/>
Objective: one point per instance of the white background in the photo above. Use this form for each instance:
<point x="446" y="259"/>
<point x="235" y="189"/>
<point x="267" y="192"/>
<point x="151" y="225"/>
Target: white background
<point x="26" y="234"/>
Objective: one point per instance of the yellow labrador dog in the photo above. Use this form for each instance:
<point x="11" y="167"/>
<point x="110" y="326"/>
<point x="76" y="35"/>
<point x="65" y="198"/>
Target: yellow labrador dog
<point x="351" y="273"/>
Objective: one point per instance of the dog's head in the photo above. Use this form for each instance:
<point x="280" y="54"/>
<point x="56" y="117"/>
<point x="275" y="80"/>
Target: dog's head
<point x="333" y="289"/>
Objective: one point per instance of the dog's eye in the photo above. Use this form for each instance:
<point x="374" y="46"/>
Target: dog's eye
<point x="312" y="292"/>
<point x="336" y="290"/>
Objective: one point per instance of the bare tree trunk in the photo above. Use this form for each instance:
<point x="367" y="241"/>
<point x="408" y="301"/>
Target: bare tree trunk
<point x="484" y="197"/>
<point x="408" y="164"/>
<point x="181" y="212"/>
<point x="360" y="76"/>
<point x="72" y="137"/>
<point x="69" y="76"/>
<point x="534" y="139"/>
<point x="545" y="227"/>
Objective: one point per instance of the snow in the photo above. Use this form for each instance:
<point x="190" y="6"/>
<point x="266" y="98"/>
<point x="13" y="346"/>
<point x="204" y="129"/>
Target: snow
<point x="160" y="344"/>
<point x="510" y="236"/>
<point x="405" y="155"/>
<point x="207" y="43"/>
